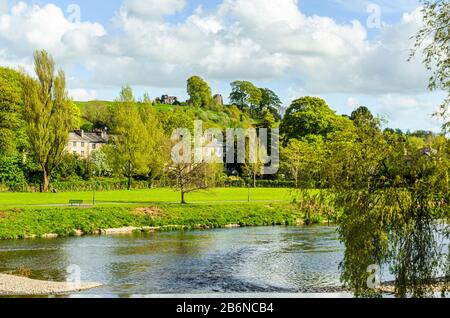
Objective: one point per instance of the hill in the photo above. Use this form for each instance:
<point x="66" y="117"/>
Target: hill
<point x="99" y="114"/>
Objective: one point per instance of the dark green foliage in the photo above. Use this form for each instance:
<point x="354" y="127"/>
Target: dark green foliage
<point x="309" y="116"/>
<point x="11" y="172"/>
<point x="245" y="95"/>
<point x="12" y="126"/>
<point x="363" y="116"/>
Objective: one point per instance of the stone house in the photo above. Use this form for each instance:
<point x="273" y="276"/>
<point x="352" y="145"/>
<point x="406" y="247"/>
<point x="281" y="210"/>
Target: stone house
<point x="84" y="144"/>
<point x="168" y="100"/>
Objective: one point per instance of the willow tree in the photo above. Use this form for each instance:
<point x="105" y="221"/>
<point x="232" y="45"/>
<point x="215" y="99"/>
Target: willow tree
<point x="48" y="113"/>
<point x="394" y="201"/>
<point x="433" y="39"/>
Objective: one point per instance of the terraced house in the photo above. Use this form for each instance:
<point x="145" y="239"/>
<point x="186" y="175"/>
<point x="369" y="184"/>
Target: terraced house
<point x="84" y="144"/>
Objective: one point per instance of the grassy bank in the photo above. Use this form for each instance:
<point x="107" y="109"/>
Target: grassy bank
<point x="143" y="197"/>
<point x="26" y="222"/>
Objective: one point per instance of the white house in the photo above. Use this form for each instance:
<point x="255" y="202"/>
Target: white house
<point x="83" y="144"/>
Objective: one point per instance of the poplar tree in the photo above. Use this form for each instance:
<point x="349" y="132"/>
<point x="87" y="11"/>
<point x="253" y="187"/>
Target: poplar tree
<point x="48" y="113"/>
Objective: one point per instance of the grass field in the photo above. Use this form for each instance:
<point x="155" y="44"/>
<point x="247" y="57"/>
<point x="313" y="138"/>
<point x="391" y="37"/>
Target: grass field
<point x="144" y="197"/>
<point x="65" y="221"/>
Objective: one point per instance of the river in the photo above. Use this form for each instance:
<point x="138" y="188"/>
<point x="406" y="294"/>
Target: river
<point x="241" y="260"/>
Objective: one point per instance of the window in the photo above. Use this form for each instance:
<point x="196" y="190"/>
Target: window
<point x="74" y="144"/>
<point x="82" y="144"/>
<point x="82" y="154"/>
<point x="94" y="146"/>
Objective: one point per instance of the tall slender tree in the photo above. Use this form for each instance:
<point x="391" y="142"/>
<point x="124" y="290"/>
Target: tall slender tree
<point x="48" y="113"/>
<point x="130" y="143"/>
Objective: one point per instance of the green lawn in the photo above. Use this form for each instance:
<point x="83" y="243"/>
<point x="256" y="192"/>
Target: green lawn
<point x="143" y="197"/>
<point x="21" y="223"/>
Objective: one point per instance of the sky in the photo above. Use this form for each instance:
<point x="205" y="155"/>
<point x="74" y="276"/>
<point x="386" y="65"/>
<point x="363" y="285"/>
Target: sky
<point x="348" y="52"/>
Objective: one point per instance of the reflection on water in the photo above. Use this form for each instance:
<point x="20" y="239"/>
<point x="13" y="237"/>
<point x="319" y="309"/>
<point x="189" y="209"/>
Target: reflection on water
<point x="267" y="259"/>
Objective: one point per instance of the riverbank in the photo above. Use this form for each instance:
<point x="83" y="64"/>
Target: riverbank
<point x="21" y="286"/>
<point x="55" y="222"/>
<point x="144" y="197"/>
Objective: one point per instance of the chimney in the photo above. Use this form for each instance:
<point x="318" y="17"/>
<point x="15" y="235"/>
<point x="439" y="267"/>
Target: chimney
<point x="82" y="133"/>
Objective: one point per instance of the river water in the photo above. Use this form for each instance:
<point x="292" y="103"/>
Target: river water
<point x="241" y="260"/>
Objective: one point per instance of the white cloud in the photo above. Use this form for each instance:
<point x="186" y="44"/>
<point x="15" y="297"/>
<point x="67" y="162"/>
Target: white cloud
<point x="31" y="27"/>
<point x="81" y="94"/>
<point x="383" y="67"/>
<point x="353" y="103"/>
<point x="239" y="39"/>
<point x="407" y="109"/>
<point x="150" y="9"/>
<point x="254" y="39"/>
<point x="387" y="6"/>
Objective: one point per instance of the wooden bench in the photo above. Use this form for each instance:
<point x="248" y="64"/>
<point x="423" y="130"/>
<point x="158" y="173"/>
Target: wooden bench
<point x="76" y="202"/>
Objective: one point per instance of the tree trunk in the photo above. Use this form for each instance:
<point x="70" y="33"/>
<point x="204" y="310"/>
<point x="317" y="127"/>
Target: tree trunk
<point x="183" y="201"/>
<point x="129" y="175"/>
<point x="254" y="180"/>
<point x="45" y="180"/>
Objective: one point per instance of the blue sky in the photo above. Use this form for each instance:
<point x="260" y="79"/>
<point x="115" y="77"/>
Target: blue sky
<point x="326" y="48"/>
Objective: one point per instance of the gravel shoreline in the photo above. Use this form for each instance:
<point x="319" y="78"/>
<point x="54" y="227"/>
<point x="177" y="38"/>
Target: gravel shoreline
<point x="21" y="286"/>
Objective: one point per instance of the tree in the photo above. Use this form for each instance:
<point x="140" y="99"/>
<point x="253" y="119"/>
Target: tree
<point x="12" y="126"/>
<point x="362" y="115"/>
<point x="394" y="207"/>
<point x="199" y="92"/>
<point x="271" y="102"/>
<point x="48" y="114"/>
<point x="190" y="173"/>
<point x="304" y="159"/>
<point x="245" y="95"/>
<point x="158" y="152"/>
<point x="76" y="115"/>
<point x="11" y="172"/>
<point x="267" y="119"/>
<point x="256" y="155"/>
<point x="179" y="118"/>
<point x="433" y="39"/>
<point x="147" y="99"/>
<point x="99" y="161"/>
<point x="308" y="116"/>
<point x="190" y="177"/>
<point x="131" y="141"/>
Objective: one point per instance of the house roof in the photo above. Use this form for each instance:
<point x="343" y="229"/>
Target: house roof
<point x="88" y="138"/>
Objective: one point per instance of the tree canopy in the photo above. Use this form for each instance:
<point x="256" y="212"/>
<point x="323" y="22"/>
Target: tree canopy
<point x="245" y="95"/>
<point x="308" y="116"/>
<point x="12" y="132"/>
<point x="49" y="115"/>
<point x="199" y="92"/>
